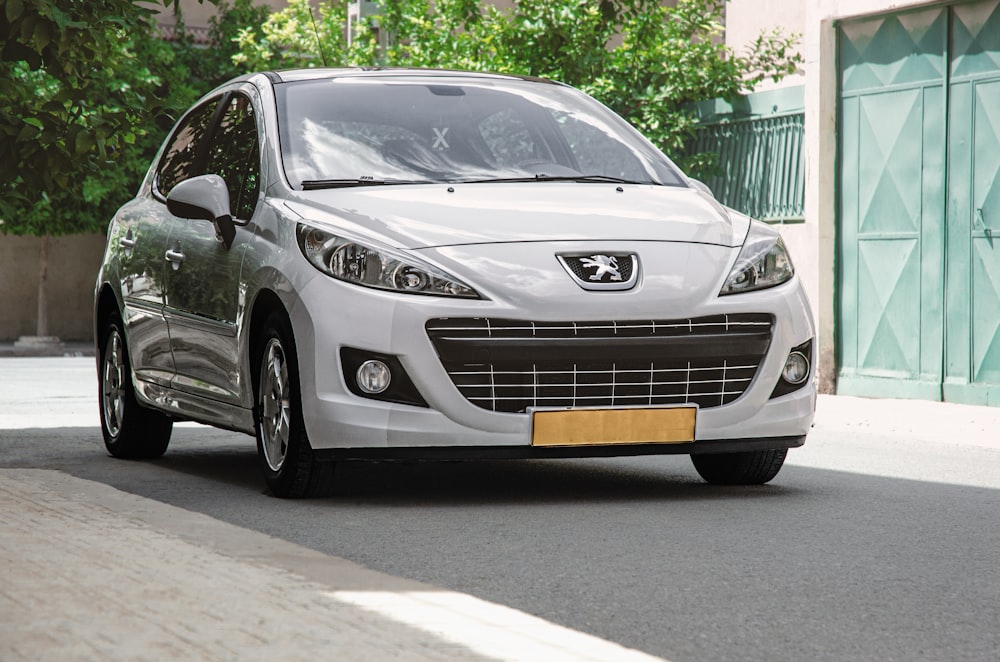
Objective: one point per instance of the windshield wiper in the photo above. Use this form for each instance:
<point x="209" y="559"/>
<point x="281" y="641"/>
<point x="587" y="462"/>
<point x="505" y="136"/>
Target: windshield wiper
<point x="542" y="177"/>
<point x="316" y="184"/>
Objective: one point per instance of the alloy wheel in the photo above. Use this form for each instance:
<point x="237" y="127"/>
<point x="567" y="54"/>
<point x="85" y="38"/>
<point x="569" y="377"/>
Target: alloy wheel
<point x="275" y="405"/>
<point x="112" y="384"/>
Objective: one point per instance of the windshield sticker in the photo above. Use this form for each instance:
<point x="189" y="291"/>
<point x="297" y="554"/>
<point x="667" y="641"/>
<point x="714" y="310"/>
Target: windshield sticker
<point x="439" y="141"/>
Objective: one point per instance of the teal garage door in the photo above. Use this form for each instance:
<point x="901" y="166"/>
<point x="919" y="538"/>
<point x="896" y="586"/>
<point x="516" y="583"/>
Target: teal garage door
<point x="918" y="233"/>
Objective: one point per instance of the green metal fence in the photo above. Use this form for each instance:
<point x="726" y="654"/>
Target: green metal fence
<point x="760" y="169"/>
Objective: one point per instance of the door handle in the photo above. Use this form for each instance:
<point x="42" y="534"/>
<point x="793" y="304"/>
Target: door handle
<point x="175" y="256"/>
<point x="127" y="243"/>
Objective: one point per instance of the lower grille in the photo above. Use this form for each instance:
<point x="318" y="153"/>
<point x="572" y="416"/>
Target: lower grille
<point x="511" y="365"/>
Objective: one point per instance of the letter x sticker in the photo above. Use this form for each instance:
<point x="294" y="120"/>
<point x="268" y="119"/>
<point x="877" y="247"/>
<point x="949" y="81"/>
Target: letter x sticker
<point x="439" y="141"/>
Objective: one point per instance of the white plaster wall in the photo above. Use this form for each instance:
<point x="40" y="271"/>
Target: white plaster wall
<point x="745" y="19"/>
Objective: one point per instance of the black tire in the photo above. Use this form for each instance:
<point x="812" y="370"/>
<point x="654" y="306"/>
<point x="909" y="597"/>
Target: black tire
<point x="130" y="430"/>
<point x="288" y="461"/>
<point x="750" y="468"/>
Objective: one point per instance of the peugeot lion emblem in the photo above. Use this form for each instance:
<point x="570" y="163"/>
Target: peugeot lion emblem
<point x="602" y="271"/>
<point x="602" y="264"/>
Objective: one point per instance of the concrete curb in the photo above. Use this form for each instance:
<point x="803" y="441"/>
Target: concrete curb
<point x="75" y="348"/>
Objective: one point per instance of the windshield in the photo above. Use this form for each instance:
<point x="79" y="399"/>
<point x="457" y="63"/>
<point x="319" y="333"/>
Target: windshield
<point x="382" y="130"/>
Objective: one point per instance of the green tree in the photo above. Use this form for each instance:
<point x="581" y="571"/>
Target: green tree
<point x="87" y="90"/>
<point x="646" y="61"/>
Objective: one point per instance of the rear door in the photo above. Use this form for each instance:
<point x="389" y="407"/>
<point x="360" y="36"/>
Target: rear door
<point x="140" y="239"/>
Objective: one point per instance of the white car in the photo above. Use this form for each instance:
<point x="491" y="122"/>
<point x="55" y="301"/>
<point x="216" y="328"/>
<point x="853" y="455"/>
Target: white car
<point x="407" y="263"/>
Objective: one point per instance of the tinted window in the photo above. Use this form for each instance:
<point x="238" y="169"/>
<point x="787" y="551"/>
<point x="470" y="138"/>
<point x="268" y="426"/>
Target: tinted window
<point x="234" y="155"/>
<point x="184" y="155"/>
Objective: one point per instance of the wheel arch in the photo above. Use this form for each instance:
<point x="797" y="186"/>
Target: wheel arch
<point x="266" y="303"/>
<point x="105" y="306"/>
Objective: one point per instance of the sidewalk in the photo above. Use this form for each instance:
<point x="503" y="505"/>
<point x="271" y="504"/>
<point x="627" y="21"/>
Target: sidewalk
<point x="72" y="348"/>
<point x="91" y="573"/>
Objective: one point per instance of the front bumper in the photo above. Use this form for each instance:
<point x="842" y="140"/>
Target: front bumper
<point x="394" y="324"/>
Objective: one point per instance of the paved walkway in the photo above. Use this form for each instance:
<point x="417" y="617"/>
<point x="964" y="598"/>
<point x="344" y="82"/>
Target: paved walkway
<point x="91" y="573"/>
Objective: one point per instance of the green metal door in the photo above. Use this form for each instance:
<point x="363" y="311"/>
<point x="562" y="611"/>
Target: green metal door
<point x="919" y="204"/>
<point x="892" y="125"/>
<point x="973" y="268"/>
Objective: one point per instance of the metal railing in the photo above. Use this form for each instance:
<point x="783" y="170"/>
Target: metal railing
<point x="760" y="168"/>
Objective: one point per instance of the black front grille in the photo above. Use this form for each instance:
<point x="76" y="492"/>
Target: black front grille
<point x="511" y="365"/>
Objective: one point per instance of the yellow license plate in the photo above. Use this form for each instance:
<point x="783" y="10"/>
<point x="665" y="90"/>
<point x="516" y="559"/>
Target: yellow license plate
<point x="594" y="427"/>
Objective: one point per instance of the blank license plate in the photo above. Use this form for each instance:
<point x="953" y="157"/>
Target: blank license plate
<point x="593" y="427"/>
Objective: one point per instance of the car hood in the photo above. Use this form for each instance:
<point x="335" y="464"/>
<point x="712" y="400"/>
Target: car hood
<point x="430" y="215"/>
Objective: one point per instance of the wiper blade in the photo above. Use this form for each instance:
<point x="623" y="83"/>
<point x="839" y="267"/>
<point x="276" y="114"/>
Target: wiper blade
<point x="316" y="184"/>
<point x="542" y="177"/>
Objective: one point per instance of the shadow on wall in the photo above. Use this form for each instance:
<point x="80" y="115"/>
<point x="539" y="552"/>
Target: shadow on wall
<point x="73" y="264"/>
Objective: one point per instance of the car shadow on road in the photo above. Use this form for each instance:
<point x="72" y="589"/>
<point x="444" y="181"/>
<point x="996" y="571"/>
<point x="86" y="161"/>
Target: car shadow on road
<point x="231" y="459"/>
<point x="212" y="462"/>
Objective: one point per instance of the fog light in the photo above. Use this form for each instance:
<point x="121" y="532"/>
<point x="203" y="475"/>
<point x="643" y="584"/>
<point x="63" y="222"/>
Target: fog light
<point x="373" y="376"/>
<point x="796" y="368"/>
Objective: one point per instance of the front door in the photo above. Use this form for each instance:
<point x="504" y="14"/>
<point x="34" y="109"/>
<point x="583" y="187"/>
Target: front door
<point x="203" y="293"/>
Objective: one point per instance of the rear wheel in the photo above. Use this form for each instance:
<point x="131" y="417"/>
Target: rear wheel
<point x="289" y="464"/>
<point x="130" y="430"/>
<point x="750" y="468"/>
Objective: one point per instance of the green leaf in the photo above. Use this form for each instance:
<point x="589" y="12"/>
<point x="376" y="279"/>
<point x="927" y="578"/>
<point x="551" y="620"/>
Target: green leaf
<point x="13" y="10"/>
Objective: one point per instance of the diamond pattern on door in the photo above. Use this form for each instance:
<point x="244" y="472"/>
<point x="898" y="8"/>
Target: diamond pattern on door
<point x="888" y="302"/>
<point x="975" y="39"/>
<point x="892" y="50"/>
<point x="889" y="161"/>
<point x="985" y="226"/>
<point x="986" y="177"/>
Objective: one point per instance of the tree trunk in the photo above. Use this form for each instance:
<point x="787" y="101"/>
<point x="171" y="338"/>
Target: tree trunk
<point x="43" y="303"/>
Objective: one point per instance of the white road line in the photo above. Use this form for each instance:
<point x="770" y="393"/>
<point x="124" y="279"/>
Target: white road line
<point x="489" y="629"/>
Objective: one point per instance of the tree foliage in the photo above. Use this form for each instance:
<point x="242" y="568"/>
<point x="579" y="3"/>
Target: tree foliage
<point x="646" y="61"/>
<point x="87" y="92"/>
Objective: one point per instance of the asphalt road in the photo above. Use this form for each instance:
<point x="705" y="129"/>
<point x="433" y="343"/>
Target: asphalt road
<point x="878" y="540"/>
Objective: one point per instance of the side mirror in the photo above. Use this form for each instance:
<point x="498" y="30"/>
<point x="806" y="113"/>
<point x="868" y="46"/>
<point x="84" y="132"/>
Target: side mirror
<point x="204" y="197"/>
<point x="701" y="186"/>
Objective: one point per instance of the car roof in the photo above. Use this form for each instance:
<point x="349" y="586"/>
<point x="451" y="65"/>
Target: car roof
<point x="294" y="75"/>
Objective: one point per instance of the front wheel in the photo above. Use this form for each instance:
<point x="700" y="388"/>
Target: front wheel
<point x="289" y="464"/>
<point x="130" y="430"/>
<point x="750" y="468"/>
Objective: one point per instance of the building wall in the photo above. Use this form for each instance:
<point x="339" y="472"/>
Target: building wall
<point x="745" y="20"/>
<point x="73" y="264"/>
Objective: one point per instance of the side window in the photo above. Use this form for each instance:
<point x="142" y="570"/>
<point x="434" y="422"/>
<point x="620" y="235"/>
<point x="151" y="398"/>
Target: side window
<point x="181" y="160"/>
<point x="234" y="154"/>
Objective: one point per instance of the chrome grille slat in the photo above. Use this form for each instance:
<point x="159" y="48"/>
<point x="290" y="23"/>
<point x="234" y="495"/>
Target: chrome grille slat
<point x="595" y="372"/>
<point x="536" y="385"/>
<point x="654" y="326"/>
<point x="686" y="361"/>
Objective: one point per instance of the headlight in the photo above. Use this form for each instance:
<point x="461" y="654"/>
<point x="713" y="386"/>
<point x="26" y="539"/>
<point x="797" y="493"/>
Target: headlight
<point x="763" y="262"/>
<point x="381" y="268"/>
